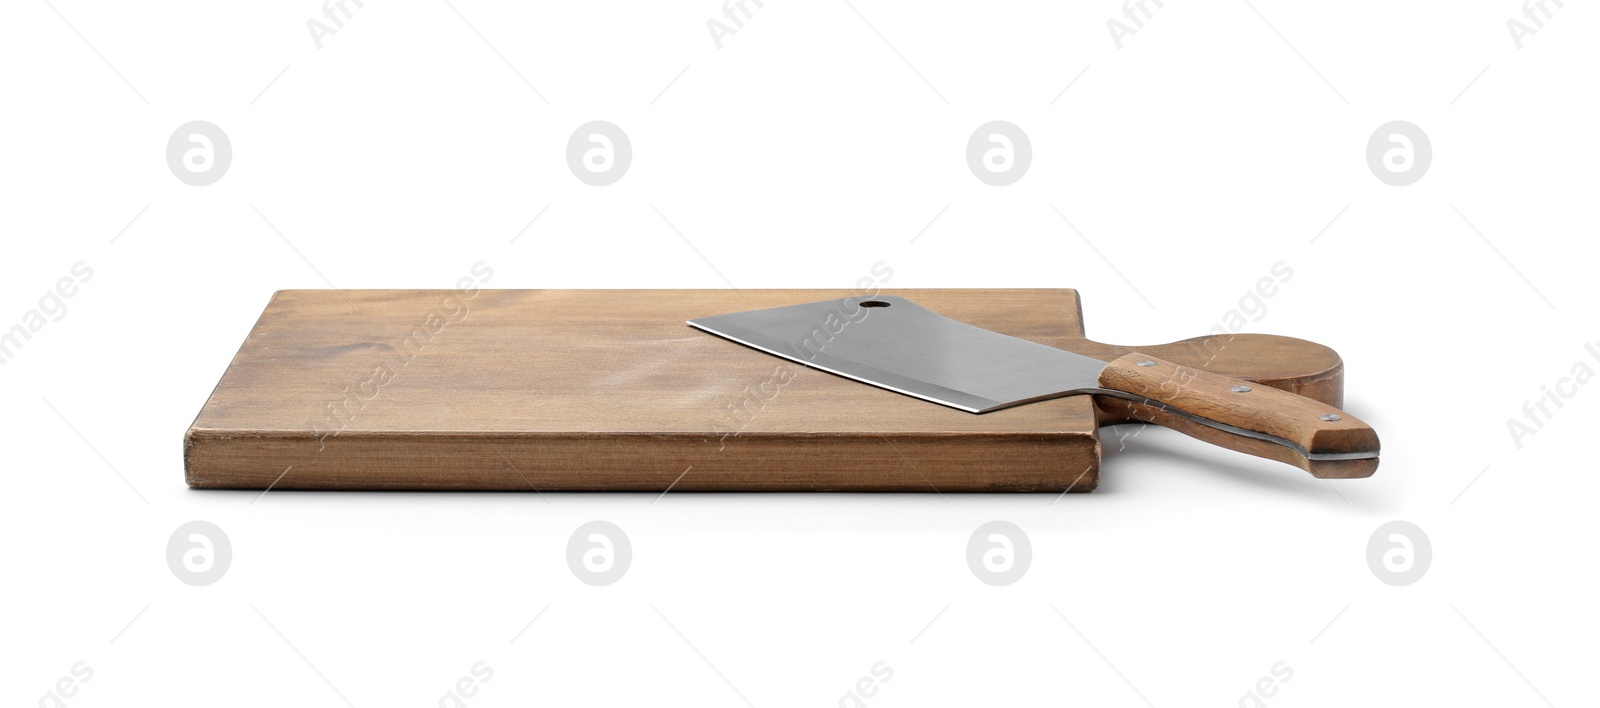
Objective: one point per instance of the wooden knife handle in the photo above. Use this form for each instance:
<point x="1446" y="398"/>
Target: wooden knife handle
<point x="1250" y="418"/>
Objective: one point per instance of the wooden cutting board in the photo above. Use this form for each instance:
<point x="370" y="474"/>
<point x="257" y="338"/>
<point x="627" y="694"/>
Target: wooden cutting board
<point x="610" y="390"/>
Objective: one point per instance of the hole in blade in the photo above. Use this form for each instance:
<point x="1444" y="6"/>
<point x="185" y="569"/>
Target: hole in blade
<point x="874" y="303"/>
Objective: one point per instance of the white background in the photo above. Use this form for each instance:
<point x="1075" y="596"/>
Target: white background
<point x="822" y="137"/>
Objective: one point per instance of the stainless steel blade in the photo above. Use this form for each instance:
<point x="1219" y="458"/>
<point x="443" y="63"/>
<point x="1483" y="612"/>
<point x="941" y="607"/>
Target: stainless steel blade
<point x="893" y="343"/>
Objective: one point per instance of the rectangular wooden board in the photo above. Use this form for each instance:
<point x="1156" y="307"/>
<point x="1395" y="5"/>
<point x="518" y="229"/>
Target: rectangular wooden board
<point x="609" y="390"/>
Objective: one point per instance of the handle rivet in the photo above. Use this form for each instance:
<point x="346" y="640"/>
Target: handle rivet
<point x="1240" y="389"/>
<point x="1330" y="417"/>
<point x="1145" y="362"/>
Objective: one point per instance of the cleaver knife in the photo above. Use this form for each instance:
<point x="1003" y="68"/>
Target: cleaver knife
<point x="892" y="343"/>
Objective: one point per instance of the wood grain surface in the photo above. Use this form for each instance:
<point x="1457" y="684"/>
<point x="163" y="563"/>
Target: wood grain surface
<point x="548" y="390"/>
